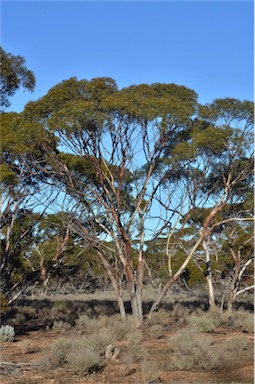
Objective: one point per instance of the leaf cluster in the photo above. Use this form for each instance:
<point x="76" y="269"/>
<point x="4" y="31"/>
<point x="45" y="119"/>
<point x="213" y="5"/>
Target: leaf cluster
<point x="14" y="74"/>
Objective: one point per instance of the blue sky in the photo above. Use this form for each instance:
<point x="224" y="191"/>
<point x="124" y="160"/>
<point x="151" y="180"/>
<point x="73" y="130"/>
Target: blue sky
<point x="205" y="45"/>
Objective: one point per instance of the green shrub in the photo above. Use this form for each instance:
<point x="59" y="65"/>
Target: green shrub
<point x="3" y="304"/>
<point x="116" y="327"/>
<point x="190" y="350"/>
<point x="86" y="356"/>
<point x="7" y="333"/>
<point x="83" y="355"/>
<point x="243" y="319"/>
<point x="205" y="321"/>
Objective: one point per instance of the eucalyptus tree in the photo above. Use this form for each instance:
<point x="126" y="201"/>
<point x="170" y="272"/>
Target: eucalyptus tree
<point x="218" y="162"/>
<point x="20" y="207"/>
<point x="130" y="163"/>
<point x="110" y="145"/>
<point x="14" y="74"/>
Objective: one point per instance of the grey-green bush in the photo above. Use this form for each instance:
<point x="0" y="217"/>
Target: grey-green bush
<point x="7" y="333"/>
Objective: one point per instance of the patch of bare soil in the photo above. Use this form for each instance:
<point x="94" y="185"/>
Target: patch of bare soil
<point x="115" y="372"/>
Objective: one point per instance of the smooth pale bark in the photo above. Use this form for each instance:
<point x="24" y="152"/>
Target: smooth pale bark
<point x="209" y="276"/>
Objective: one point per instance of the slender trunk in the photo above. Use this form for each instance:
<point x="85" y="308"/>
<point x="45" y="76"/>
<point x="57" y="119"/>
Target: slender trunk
<point x="231" y="296"/>
<point x="210" y="290"/>
<point x="209" y="276"/>
<point x="117" y="288"/>
<point x="139" y="291"/>
<point x="135" y="294"/>
<point x="133" y="300"/>
<point x="121" y="306"/>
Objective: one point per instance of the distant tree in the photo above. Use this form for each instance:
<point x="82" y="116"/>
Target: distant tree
<point x="21" y="146"/>
<point x="13" y="75"/>
<point x="218" y="158"/>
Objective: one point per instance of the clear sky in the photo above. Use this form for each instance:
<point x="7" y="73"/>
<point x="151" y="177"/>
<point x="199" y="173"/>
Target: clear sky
<point x="205" y="45"/>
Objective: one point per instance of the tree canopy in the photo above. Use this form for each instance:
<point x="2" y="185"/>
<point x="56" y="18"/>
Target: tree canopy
<point x="14" y="74"/>
<point x="136" y="172"/>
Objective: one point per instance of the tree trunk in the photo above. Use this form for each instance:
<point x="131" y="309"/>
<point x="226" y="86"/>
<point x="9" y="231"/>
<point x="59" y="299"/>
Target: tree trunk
<point x="121" y="306"/>
<point x="210" y="290"/>
<point x="231" y="296"/>
<point x="209" y="276"/>
<point x="115" y="284"/>
<point x="135" y="294"/>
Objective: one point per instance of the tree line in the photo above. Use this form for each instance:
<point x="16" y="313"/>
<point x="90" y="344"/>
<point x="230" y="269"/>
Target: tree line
<point x="141" y="185"/>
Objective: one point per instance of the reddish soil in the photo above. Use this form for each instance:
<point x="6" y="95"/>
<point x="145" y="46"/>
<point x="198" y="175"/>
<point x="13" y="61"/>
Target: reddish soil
<point x="115" y="372"/>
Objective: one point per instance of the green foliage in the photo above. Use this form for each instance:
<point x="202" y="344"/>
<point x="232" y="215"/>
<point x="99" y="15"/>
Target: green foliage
<point x="108" y="150"/>
<point x="230" y="110"/>
<point x="14" y="74"/>
<point x="3" y="303"/>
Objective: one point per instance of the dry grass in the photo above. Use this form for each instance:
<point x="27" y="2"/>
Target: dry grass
<point x="156" y="331"/>
<point x="61" y="326"/>
<point x="180" y="312"/>
<point x="28" y="346"/>
<point x="150" y="369"/>
<point x="161" y="317"/>
<point x="133" y="353"/>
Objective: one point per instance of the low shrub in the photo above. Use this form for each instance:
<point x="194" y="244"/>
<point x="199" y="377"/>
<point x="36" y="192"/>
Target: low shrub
<point x="190" y="351"/>
<point x="156" y="331"/>
<point x="180" y="312"/>
<point x="27" y="346"/>
<point x="7" y="333"/>
<point x="243" y="319"/>
<point x="161" y="317"/>
<point x="56" y="357"/>
<point x="150" y="369"/>
<point x="116" y="327"/>
<point x="19" y="319"/>
<point x="61" y="326"/>
<point x="86" y="356"/>
<point x="83" y="355"/>
<point x="205" y="321"/>
<point x="123" y="329"/>
<point x="133" y="352"/>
